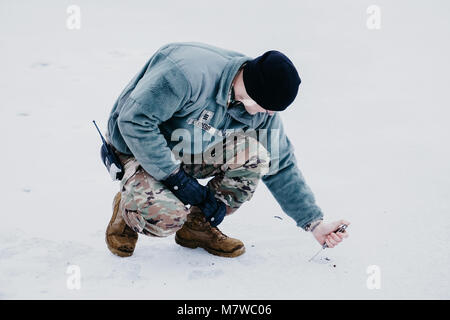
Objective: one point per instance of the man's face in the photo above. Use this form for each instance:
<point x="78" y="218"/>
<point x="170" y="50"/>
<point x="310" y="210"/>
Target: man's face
<point x="253" y="108"/>
<point x="250" y="105"/>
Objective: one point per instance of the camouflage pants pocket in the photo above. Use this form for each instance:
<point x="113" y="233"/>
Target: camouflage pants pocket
<point x="147" y="206"/>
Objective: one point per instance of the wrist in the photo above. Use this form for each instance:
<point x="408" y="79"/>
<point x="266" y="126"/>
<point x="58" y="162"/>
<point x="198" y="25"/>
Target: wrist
<point x="174" y="172"/>
<point x="185" y="188"/>
<point x="176" y="177"/>
<point x="310" y="227"/>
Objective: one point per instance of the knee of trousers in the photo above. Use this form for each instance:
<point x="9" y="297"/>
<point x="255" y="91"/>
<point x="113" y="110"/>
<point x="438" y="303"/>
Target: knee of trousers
<point x="158" y="220"/>
<point x="149" y="208"/>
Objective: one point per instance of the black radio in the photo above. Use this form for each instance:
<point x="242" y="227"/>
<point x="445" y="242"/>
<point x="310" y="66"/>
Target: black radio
<point x="109" y="158"/>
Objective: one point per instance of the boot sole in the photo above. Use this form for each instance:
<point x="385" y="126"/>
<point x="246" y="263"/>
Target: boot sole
<point x="116" y="251"/>
<point x="192" y="244"/>
<point x="119" y="253"/>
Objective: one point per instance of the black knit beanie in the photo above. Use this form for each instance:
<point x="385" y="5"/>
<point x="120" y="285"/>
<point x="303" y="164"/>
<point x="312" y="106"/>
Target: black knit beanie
<point x="271" y="80"/>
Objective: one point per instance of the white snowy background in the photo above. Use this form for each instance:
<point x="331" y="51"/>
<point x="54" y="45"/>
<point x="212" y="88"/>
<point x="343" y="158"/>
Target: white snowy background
<point x="370" y="126"/>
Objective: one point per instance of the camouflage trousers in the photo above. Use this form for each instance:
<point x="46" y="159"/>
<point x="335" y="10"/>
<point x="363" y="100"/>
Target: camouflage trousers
<point x="150" y="208"/>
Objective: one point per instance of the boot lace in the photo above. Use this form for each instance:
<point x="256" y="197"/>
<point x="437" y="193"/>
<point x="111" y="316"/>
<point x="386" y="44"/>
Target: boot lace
<point x="218" y="233"/>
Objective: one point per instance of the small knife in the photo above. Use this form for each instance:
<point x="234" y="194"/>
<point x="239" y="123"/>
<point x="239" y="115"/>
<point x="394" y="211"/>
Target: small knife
<point x="324" y="246"/>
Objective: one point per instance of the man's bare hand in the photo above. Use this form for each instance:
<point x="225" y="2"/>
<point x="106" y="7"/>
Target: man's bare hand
<point x="324" y="233"/>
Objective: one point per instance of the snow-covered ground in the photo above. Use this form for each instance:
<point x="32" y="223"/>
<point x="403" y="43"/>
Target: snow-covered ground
<point x="370" y="127"/>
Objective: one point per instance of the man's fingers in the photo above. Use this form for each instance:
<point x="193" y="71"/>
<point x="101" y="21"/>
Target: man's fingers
<point x="331" y="240"/>
<point x="342" y="221"/>
<point x="335" y="237"/>
<point x="329" y="243"/>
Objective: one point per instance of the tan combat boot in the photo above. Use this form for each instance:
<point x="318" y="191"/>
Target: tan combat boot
<point x="120" y="238"/>
<point x="197" y="232"/>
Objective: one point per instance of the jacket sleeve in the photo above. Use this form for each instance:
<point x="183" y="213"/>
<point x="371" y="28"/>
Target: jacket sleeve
<point x="161" y="92"/>
<point x="284" y="179"/>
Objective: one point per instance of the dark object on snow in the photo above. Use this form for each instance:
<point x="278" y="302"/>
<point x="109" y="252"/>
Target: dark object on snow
<point x="278" y="217"/>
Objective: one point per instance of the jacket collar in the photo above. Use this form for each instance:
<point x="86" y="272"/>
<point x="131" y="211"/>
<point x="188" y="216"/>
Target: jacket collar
<point x="240" y="114"/>
<point x="228" y="74"/>
<point x="223" y="95"/>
